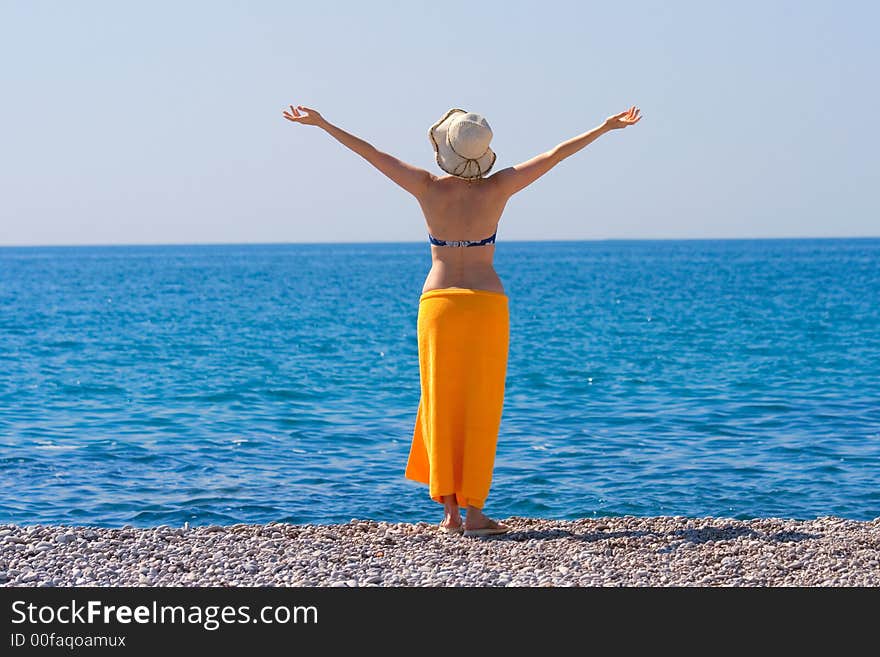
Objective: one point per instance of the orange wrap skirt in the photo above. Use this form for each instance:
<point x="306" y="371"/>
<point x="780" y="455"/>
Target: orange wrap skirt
<point x="463" y="337"/>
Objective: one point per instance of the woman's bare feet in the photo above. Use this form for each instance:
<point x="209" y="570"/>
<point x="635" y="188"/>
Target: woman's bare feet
<point x="451" y="523"/>
<point x="478" y="523"/>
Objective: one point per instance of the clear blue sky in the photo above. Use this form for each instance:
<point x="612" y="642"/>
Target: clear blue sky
<point x="160" y="122"/>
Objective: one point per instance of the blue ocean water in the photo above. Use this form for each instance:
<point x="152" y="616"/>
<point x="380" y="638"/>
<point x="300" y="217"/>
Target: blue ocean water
<point x="222" y="384"/>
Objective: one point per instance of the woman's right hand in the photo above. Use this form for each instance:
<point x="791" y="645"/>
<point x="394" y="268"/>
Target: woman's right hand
<point x="311" y="118"/>
<point x="629" y="117"/>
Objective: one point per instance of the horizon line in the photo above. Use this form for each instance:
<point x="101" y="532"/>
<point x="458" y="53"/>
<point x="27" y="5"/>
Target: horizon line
<point x="325" y="243"/>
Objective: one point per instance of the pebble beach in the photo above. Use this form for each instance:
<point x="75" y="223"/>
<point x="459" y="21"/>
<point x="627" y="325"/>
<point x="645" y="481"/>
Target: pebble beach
<point x="616" y="551"/>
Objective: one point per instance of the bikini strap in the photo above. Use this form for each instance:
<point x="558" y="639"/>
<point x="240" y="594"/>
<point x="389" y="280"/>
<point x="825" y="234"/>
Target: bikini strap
<point x="483" y="242"/>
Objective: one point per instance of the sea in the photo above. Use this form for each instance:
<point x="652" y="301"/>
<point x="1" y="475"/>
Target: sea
<point x="222" y="384"/>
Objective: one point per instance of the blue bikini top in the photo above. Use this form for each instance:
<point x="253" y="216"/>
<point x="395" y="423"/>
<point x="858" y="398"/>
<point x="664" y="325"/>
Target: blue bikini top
<point x="489" y="240"/>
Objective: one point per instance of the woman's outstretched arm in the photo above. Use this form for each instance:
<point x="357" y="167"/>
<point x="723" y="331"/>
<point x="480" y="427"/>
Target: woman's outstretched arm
<point x="411" y="178"/>
<point x="515" y="178"/>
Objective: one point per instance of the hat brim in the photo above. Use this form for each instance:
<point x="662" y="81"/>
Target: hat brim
<point x="449" y="160"/>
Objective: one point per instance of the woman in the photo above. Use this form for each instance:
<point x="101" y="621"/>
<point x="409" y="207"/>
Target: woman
<point x="463" y="324"/>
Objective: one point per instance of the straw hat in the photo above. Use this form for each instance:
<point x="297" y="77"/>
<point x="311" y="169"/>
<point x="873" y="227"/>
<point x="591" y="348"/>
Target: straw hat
<point x="461" y="144"/>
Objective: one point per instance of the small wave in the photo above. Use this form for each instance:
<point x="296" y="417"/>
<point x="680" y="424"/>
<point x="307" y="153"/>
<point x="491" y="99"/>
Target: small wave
<point x="55" y="447"/>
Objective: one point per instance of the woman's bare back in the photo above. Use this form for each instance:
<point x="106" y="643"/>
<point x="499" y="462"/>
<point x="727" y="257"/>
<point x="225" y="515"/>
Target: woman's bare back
<point x="454" y="210"/>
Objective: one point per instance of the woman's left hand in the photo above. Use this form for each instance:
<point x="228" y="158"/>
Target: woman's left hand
<point x="295" y="115"/>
